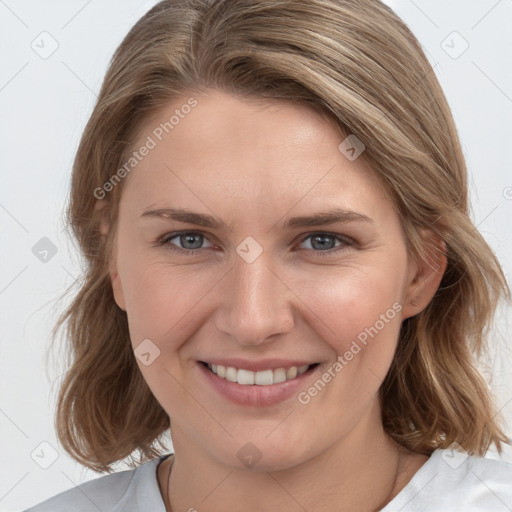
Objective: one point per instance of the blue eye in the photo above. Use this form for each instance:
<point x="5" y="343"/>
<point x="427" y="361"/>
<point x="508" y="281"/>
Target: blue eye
<point x="184" y="238"/>
<point x="191" y="242"/>
<point x="324" y="239"/>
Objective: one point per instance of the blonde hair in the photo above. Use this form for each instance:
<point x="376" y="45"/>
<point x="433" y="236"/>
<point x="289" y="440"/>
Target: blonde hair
<point x="359" y="65"/>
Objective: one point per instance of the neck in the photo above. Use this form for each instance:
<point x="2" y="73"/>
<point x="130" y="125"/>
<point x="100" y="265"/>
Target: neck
<point x="366" y="458"/>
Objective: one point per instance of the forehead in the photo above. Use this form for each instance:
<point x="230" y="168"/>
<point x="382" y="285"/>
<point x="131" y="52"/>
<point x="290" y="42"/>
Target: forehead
<point x="219" y="122"/>
<point x="252" y="151"/>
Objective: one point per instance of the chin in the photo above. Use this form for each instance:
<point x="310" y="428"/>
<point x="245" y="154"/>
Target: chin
<point x="260" y="456"/>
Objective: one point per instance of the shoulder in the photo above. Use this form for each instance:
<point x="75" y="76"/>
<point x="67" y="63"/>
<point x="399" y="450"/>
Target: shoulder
<point x="452" y="481"/>
<point x="129" y="491"/>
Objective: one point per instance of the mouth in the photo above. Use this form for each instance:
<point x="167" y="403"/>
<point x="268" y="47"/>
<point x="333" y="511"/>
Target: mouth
<point x="260" y="387"/>
<point x="257" y="378"/>
<point x="267" y="377"/>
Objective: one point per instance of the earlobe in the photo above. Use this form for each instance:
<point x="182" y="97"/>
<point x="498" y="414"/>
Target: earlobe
<point x="426" y="277"/>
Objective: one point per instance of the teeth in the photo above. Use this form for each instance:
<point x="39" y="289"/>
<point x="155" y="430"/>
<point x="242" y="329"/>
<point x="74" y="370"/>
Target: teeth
<point x="291" y="373"/>
<point x="231" y="374"/>
<point x="262" y="378"/>
<point x="245" y="377"/>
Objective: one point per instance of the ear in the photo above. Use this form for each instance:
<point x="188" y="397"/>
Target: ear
<point x="425" y="275"/>
<point x="101" y="206"/>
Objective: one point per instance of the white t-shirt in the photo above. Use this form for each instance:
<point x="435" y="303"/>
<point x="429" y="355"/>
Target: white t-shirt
<point x="448" y="481"/>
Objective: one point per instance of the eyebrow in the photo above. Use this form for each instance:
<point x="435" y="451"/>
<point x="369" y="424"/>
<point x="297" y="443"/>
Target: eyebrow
<point x="336" y="215"/>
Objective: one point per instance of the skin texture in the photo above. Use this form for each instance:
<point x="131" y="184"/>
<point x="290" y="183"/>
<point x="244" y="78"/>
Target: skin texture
<point x="254" y="164"/>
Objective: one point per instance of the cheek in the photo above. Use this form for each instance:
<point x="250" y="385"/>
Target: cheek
<point x="163" y="301"/>
<point x="359" y="316"/>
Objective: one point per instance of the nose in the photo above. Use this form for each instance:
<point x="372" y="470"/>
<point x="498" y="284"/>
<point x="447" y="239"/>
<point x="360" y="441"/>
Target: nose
<point x="256" y="303"/>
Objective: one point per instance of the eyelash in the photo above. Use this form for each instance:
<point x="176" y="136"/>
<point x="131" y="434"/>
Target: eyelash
<point x="165" y="240"/>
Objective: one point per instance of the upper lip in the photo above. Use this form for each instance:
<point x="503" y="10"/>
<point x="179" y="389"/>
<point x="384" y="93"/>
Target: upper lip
<point x="255" y="366"/>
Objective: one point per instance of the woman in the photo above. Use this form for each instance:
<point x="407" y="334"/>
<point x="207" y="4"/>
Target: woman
<point x="273" y="204"/>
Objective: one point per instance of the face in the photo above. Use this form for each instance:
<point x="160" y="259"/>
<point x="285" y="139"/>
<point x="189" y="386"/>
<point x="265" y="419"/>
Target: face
<point x="258" y="290"/>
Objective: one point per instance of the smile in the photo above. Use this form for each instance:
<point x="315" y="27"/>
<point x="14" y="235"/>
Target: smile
<point x="258" y="378"/>
<point x="267" y="382"/>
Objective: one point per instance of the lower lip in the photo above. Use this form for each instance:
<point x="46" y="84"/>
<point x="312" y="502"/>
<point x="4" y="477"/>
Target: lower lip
<point x="255" y="395"/>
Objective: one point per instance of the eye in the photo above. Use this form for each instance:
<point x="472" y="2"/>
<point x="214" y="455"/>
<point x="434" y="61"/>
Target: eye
<point x="324" y="242"/>
<point x="191" y="242"/>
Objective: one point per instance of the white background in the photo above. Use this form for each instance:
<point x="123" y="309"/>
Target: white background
<point x="44" y="105"/>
